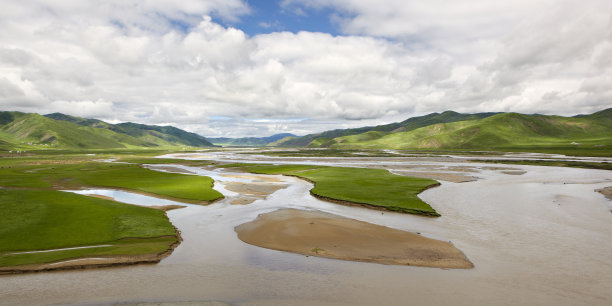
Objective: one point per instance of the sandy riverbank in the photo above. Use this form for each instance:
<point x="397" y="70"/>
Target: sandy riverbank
<point x="316" y="233"/>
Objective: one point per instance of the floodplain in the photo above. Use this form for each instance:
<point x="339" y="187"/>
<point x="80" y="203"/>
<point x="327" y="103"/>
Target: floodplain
<point x="534" y="234"/>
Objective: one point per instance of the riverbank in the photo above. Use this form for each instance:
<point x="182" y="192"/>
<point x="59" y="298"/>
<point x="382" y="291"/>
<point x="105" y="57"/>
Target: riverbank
<point x="101" y="261"/>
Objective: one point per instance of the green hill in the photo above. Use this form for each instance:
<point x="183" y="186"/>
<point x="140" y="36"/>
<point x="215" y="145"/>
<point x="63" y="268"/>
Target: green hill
<point x="406" y="125"/>
<point x="33" y="131"/>
<point x="500" y="131"/>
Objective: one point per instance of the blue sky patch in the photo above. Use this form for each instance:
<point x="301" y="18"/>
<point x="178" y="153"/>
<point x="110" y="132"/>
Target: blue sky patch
<point x="268" y="16"/>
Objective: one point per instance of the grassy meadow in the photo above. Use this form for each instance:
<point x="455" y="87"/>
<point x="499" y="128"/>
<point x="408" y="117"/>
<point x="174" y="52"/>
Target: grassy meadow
<point x="57" y="172"/>
<point x="46" y="219"/>
<point x="37" y="216"/>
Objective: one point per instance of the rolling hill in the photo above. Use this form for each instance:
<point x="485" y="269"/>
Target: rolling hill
<point x="499" y="131"/>
<point x="33" y="131"/>
<point x="406" y="125"/>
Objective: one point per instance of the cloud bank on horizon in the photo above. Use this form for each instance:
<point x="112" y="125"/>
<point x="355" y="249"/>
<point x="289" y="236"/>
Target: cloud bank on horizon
<point x="255" y="68"/>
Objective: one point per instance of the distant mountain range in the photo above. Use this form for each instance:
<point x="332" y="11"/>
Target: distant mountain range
<point x="249" y="141"/>
<point x="33" y="131"/>
<point x="451" y="130"/>
<point x="447" y="130"/>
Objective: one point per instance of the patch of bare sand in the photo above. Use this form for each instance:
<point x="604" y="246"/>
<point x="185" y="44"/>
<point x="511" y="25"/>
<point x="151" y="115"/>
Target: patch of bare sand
<point x="253" y="188"/>
<point x="606" y="191"/>
<point x="255" y="178"/>
<point x="326" y="235"/>
<point x="166" y="207"/>
<point x="250" y="192"/>
<point x="449" y="177"/>
<point x="514" y="172"/>
<point x="495" y="168"/>
<point x="243" y="200"/>
<point x="82" y="263"/>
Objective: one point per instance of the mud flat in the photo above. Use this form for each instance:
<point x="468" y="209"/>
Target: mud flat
<point x="326" y="235"/>
<point x="607" y="192"/>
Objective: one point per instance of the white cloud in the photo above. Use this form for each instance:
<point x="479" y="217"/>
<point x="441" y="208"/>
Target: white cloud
<point x="168" y="62"/>
<point x="87" y="109"/>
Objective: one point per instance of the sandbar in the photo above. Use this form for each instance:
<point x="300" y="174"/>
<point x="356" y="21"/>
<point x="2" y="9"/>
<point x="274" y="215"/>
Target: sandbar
<point x="250" y="192"/>
<point x="606" y="191"/>
<point x="316" y="233"/>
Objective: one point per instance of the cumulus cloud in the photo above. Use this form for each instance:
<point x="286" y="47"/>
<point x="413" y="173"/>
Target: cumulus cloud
<point x="87" y="109"/>
<point x="168" y="62"/>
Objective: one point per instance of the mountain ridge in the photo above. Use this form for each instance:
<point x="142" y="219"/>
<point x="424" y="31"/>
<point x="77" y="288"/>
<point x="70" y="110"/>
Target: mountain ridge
<point x="408" y="124"/>
<point x="56" y="130"/>
<point x="498" y="131"/>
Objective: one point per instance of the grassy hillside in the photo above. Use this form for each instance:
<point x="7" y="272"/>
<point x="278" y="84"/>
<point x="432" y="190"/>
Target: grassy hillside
<point x="161" y="134"/>
<point x="406" y="125"/>
<point x="280" y="142"/>
<point x="58" y="131"/>
<point x="501" y="131"/>
<point x="35" y="130"/>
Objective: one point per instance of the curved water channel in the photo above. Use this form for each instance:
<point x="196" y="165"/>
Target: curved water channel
<point x="536" y="235"/>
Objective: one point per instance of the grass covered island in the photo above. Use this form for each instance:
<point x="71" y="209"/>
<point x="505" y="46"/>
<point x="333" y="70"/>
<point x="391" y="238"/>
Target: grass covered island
<point x="43" y="228"/>
<point x="371" y="188"/>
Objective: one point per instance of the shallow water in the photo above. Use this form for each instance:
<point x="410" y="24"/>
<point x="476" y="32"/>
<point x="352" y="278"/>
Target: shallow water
<point x="541" y="238"/>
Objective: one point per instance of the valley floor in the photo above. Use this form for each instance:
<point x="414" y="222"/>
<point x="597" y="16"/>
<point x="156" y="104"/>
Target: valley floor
<point x="536" y="235"/>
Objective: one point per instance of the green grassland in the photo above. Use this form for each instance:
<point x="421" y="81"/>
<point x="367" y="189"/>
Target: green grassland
<point x="35" y="220"/>
<point x="36" y="216"/>
<point x="589" y="135"/>
<point x="375" y="188"/>
<point x="78" y="171"/>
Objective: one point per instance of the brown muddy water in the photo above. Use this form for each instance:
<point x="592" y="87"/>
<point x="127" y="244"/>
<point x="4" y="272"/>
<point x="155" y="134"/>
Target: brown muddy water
<point x="538" y="238"/>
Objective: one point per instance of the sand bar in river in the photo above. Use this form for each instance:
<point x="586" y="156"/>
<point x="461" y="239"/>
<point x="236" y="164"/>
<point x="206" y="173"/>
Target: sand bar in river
<point x="607" y="192"/>
<point x="316" y="233"/>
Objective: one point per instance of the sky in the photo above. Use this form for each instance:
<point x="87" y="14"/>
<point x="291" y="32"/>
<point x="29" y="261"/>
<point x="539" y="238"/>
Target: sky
<point x="234" y="68"/>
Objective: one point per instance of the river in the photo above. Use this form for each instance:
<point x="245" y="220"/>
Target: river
<point x="539" y="238"/>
